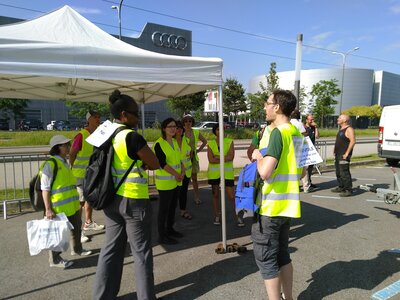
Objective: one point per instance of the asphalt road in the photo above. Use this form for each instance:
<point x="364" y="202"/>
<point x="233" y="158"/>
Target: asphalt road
<point x="339" y="249"/>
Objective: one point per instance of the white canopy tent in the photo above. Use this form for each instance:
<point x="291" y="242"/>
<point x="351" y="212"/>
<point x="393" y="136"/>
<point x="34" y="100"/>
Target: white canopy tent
<point x="63" y="56"/>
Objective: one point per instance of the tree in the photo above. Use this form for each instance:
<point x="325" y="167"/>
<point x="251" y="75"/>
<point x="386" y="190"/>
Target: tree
<point x="257" y="100"/>
<point x="322" y="98"/>
<point x="13" y="108"/>
<point x="303" y="106"/>
<point x="374" y="111"/>
<point x="79" y="109"/>
<point x="234" y="100"/>
<point x="188" y="103"/>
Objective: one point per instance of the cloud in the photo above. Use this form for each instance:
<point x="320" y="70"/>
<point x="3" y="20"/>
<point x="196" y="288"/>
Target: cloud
<point x="394" y="46"/>
<point x="395" y="9"/>
<point x="365" y="38"/>
<point x="319" y="38"/>
<point x="87" y="11"/>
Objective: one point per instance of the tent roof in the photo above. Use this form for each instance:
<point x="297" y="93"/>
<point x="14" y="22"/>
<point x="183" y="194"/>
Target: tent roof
<point x="62" y="55"/>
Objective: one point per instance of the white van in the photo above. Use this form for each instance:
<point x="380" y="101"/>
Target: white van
<point x="389" y="135"/>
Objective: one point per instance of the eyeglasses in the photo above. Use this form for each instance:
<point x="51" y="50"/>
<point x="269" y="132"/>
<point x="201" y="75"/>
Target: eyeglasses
<point x="181" y="128"/>
<point x="187" y="121"/>
<point x="135" y="113"/>
<point x="171" y="126"/>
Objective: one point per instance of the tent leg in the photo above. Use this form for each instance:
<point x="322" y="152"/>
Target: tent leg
<point x="222" y="169"/>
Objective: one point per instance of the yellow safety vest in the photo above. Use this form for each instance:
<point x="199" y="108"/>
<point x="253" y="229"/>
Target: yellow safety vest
<point x="135" y="186"/>
<point x="265" y="138"/>
<point x="64" y="196"/>
<point x="185" y="156"/>
<point x="280" y="193"/>
<point x="166" y="181"/>
<point x="214" y="169"/>
<point x="82" y="158"/>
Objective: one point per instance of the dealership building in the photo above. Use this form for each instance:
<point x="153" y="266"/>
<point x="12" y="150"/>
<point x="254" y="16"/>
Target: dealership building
<point x="361" y="87"/>
<point x="154" y="37"/>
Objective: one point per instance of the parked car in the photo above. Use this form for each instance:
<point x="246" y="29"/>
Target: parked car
<point x="59" y="125"/>
<point x="389" y="135"/>
<point x="209" y="125"/>
<point x="4" y="124"/>
<point x="27" y="125"/>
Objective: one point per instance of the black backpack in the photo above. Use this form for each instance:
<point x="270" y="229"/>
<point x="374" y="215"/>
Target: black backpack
<point x="98" y="184"/>
<point x="35" y="192"/>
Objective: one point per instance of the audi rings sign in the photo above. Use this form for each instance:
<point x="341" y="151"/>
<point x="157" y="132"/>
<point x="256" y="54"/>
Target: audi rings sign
<point x="169" y="40"/>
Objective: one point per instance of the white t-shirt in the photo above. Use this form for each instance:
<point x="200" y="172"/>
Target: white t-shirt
<point x="299" y="125"/>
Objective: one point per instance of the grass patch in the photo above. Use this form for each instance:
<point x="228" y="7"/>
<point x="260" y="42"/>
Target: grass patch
<point x="357" y="158"/>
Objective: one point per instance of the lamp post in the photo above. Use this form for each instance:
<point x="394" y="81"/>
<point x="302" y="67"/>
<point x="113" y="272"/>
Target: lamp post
<point x="344" y="55"/>
<point x="118" y="8"/>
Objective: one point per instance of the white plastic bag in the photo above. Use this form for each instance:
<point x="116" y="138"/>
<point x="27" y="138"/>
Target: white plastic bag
<point x="49" y="234"/>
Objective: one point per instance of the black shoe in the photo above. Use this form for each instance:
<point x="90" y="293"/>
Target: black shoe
<point x="167" y="241"/>
<point x="174" y="233"/>
<point x="337" y="190"/>
<point x="346" y="194"/>
<point x="313" y="185"/>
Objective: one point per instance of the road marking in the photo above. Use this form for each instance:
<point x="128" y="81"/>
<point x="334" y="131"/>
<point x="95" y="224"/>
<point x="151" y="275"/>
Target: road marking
<point x="388" y="291"/>
<point x="374" y="200"/>
<point x="334" y="177"/>
<point x="394" y="250"/>
<point x="376" y="167"/>
<point x="328" y="197"/>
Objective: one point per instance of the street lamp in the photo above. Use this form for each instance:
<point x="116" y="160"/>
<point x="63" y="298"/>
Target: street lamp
<point x="118" y="8"/>
<point x="344" y="55"/>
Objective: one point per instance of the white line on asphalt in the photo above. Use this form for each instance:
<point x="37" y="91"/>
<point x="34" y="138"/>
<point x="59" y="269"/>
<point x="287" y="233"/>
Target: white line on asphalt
<point x="373" y="200"/>
<point x="334" y="177"/>
<point x="328" y="197"/>
<point x="376" y="167"/>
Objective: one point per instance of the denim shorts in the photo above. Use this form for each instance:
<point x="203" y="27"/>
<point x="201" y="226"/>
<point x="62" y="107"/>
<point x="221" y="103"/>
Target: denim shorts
<point x="270" y="236"/>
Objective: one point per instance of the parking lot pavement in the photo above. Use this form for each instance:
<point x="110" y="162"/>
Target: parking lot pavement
<point x="339" y="249"/>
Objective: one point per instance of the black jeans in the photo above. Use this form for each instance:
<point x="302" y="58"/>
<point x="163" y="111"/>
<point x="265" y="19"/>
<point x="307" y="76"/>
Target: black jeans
<point x="166" y="210"/>
<point x="183" y="193"/>
<point x="343" y="174"/>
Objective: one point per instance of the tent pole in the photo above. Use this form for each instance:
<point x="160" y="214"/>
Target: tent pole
<point x="142" y="111"/>
<point x="221" y="162"/>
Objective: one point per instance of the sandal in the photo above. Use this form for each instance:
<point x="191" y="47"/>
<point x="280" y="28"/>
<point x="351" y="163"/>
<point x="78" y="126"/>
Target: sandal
<point x="220" y="249"/>
<point x="186" y="215"/>
<point x="197" y="201"/>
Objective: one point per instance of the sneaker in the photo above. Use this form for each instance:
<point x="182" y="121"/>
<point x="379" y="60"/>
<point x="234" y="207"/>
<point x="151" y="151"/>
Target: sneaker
<point x="313" y="185"/>
<point x="84" y="238"/>
<point x="93" y="226"/>
<point x="240" y="222"/>
<point x="83" y="252"/>
<point x="309" y="190"/>
<point x="346" y="194"/>
<point x="217" y="221"/>
<point x="337" y="190"/>
<point x="62" y="264"/>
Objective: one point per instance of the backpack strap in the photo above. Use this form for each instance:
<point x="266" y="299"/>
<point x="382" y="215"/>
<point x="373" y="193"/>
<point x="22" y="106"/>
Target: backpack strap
<point x="260" y="134"/>
<point x="54" y="171"/>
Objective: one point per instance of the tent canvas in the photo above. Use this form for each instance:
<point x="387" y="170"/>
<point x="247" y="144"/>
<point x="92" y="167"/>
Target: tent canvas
<point x="62" y="55"/>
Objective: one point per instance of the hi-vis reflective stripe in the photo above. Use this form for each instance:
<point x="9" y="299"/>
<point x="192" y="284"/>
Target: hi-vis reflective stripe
<point x="165" y="177"/>
<point x="186" y="160"/>
<point x="64" y="189"/>
<point x="289" y="196"/>
<point x="188" y="167"/>
<point x="79" y="167"/>
<point x="284" y="177"/>
<point x="176" y="166"/>
<point x="122" y="172"/>
<point x="65" y="201"/>
<point x="141" y="180"/>
<point x="82" y="158"/>
<point x="217" y="169"/>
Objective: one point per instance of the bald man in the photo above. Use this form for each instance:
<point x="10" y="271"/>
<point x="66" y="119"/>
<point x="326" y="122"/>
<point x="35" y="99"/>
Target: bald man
<point x="345" y="141"/>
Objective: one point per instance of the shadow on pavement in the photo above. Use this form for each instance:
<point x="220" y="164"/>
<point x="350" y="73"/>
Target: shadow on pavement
<point x="358" y="274"/>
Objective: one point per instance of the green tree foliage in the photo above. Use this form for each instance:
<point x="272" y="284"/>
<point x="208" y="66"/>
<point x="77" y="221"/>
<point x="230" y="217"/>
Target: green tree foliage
<point x="257" y="100"/>
<point x="13" y="108"/>
<point x="322" y="99"/>
<point x="303" y="106"/>
<point x="234" y="100"/>
<point x="79" y="109"/>
<point x="374" y="111"/>
<point x="193" y="103"/>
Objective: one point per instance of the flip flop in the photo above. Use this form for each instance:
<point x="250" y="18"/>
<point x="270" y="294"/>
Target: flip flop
<point x="197" y="201"/>
<point x="186" y="216"/>
<point x="220" y="249"/>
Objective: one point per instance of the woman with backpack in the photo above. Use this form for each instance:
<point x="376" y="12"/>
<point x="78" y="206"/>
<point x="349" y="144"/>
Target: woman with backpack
<point x="214" y="176"/>
<point x="128" y="217"/>
<point x="60" y="196"/>
<point x="168" y="179"/>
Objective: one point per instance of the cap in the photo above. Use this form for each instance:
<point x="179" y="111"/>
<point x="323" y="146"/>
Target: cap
<point x="91" y="113"/>
<point x="188" y="116"/>
<point x="58" y="140"/>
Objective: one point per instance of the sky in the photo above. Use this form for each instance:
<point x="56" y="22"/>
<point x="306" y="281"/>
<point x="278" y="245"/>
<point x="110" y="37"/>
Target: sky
<point x="251" y="34"/>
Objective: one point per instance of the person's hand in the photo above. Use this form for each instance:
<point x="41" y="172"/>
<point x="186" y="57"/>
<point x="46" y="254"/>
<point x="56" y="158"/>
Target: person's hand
<point x="314" y="124"/>
<point x="344" y="156"/>
<point x="178" y="177"/>
<point x="50" y="214"/>
<point x="256" y="155"/>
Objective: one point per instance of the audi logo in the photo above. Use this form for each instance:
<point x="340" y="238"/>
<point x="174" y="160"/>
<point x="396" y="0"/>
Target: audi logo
<point x="169" y="40"/>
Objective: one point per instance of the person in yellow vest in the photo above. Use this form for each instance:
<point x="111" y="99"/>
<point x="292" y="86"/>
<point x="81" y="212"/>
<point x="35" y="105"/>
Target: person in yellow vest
<point x="129" y="216"/>
<point x="279" y="200"/>
<point x="186" y="155"/>
<point x="194" y="136"/>
<point x="168" y="179"/>
<point x="62" y="197"/>
<point x="79" y="156"/>
<point x="260" y="144"/>
<point x="214" y="176"/>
